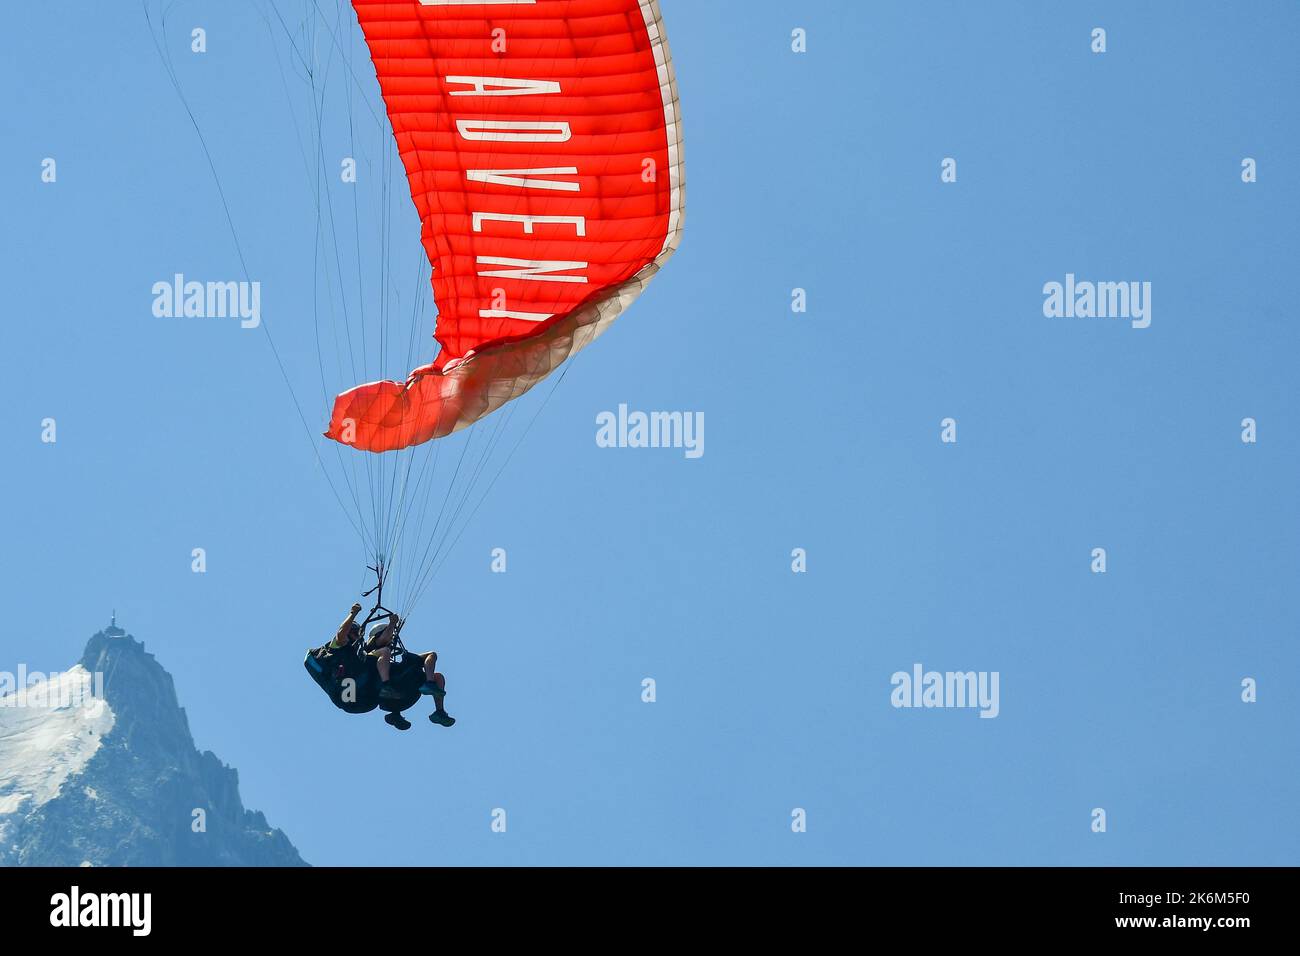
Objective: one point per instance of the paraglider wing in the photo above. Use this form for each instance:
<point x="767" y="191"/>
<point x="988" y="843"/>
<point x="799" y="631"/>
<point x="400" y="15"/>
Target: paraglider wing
<point x="542" y="145"/>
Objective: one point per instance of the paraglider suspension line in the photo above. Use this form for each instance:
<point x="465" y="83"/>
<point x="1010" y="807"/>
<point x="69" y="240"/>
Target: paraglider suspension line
<point x="379" y="611"/>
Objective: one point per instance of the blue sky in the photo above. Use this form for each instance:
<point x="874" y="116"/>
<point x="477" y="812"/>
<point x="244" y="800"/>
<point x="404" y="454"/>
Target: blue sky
<point x="818" y="171"/>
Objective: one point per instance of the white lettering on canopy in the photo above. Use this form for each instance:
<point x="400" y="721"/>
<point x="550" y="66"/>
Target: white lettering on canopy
<point x="502" y="86"/>
<point x="518" y="177"/>
<point x="578" y="222"/>
<point x="531" y="269"/>
<point x="517" y="131"/>
<point x="514" y="131"/>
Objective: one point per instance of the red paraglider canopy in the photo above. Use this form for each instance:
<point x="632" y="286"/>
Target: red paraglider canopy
<point x="543" y="149"/>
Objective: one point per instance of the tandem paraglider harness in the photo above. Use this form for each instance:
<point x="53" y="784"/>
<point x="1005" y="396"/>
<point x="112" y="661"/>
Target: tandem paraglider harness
<point x="331" y="667"/>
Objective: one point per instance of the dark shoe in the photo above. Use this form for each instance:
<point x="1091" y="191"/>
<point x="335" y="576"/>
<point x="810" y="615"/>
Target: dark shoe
<point x="429" y="687"/>
<point x="442" y="717"/>
<point x="398" y="721"/>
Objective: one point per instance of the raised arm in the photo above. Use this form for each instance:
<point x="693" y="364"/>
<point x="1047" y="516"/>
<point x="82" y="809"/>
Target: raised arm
<point x="347" y="624"/>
